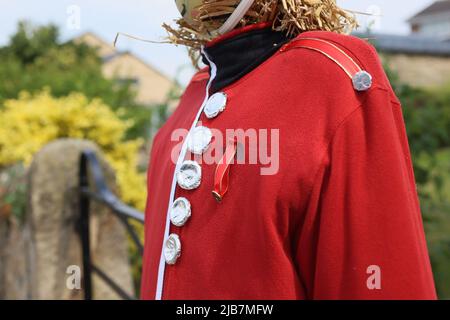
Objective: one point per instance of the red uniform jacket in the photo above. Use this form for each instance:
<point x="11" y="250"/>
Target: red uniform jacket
<point x="339" y="220"/>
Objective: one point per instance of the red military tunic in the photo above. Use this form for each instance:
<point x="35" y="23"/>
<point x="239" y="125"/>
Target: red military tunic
<point x="340" y="219"/>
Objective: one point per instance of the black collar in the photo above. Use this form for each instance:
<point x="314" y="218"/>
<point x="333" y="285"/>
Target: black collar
<point x="236" y="56"/>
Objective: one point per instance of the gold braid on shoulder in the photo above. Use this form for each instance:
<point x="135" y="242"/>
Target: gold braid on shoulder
<point x="290" y="16"/>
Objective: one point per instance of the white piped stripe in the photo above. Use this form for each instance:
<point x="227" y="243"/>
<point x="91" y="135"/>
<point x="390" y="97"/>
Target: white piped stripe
<point x="181" y="157"/>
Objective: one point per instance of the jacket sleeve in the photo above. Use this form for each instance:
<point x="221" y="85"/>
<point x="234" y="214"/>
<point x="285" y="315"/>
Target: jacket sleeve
<point x="362" y="236"/>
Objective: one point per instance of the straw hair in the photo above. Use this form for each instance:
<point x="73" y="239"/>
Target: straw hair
<point x="290" y="16"/>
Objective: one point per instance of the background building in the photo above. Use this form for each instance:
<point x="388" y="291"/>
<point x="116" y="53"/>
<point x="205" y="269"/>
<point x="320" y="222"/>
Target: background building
<point x="151" y="85"/>
<point x="421" y="59"/>
<point x="433" y="21"/>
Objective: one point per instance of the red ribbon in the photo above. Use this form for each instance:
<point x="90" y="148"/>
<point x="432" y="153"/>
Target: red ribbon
<point x="221" y="177"/>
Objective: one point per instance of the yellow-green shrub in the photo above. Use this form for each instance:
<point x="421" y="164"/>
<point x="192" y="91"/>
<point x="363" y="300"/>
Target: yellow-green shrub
<point x="31" y="121"/>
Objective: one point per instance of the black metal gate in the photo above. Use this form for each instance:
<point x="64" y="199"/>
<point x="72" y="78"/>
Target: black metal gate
<point x="99" y="192"/>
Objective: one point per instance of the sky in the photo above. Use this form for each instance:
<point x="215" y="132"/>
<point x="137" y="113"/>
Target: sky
<point x="143" y="18"/>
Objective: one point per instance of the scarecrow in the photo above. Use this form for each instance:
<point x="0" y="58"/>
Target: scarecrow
<point x="285" y="171"/>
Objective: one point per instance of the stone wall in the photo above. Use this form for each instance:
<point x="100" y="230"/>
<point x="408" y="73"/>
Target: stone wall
<point x="36" y="253"/>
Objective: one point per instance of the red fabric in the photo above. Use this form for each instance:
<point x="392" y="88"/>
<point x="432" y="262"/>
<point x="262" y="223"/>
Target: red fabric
<point x="343" y="200"/>
<point x="330" y="50"/>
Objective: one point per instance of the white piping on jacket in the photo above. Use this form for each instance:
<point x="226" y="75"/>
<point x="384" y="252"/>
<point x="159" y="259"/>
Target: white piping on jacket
<point x="181" y="157"/>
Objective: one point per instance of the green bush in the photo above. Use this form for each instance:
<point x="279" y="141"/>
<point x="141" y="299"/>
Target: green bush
<point x="35" y="58"/>
<point x="427" y="118"/>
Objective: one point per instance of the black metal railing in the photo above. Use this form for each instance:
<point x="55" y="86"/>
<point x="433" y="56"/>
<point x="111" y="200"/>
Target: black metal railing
<point x="91" y="170"/>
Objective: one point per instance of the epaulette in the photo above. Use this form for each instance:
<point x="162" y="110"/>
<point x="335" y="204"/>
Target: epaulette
<point x="361" y="79"/>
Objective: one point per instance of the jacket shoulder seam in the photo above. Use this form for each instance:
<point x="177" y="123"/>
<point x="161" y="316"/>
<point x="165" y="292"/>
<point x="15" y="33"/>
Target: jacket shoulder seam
<point x="340" y="124"/>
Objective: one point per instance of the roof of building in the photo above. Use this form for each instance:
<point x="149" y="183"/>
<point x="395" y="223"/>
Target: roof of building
<point x="108" y="52"/>
<point x="152" y="86"/>
<point x="435" y="8"/>
<point x="93" y="40"/>
<point x="411" y="44"/>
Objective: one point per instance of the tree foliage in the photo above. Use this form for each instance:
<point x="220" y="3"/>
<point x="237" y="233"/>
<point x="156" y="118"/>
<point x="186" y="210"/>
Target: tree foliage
<point x="427" y="119"/>
<point x="36" y="58"/>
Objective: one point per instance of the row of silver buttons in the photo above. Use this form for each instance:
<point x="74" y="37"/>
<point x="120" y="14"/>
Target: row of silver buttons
<point x="189" y="176"/>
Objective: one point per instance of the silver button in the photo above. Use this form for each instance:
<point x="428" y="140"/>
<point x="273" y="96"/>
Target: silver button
<point x="215" y="105"/>
<point x="362" y="81"/>
<point x="180" y="212"/>
<point x="172" y="249"/>
<point x="189" y="175"/>
<point x="199" y="140"/>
